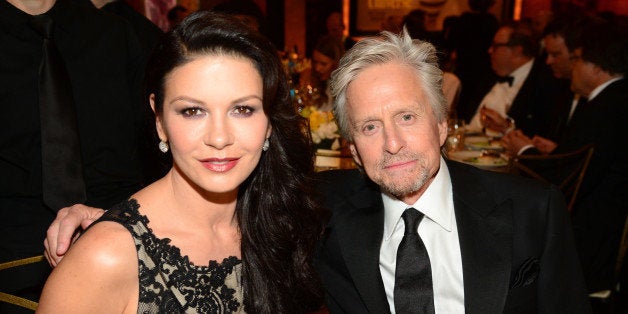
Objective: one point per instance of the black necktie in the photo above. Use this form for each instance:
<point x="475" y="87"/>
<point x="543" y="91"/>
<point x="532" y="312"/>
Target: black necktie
<point x="413" y="275"/>
<point x="505" y="79"/>
<point x="62" y="167"/>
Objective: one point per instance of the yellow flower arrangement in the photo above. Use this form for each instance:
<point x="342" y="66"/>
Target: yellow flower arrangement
<point x="323" y="127"/>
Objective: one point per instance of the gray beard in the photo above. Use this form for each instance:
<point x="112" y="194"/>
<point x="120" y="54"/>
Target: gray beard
<point x="404" y="188"/>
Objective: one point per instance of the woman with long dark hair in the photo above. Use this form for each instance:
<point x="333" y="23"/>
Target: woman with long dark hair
<point x="233" y="225"/>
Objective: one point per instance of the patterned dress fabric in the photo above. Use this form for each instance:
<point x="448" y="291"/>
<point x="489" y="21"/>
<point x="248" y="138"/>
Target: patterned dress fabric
<point x="169" y="283"/>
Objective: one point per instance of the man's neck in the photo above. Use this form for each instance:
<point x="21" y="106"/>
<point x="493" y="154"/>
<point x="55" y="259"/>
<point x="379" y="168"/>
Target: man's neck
<point x="33" y="7"/>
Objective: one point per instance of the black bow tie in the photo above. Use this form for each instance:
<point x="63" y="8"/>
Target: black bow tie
<point x="505" y="79"/>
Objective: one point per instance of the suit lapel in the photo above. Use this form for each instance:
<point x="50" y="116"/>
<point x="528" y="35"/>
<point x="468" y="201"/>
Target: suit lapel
<point x="485" y="233"/>
<point x="360" y="242"/>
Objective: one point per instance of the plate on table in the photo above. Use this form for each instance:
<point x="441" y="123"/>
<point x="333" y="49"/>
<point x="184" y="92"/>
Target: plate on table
<point x="328" y="152"/>
<point x="478" y="159"/>
<point x="482" y="142"/>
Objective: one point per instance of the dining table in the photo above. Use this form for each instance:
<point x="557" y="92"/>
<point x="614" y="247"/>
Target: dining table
<point x="333" y="159"/>
<point x="477" y="149"/>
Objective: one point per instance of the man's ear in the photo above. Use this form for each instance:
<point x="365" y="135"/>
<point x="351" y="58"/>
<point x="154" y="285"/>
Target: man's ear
<point x="355" y="154"/>
<point x="442" y="132"/>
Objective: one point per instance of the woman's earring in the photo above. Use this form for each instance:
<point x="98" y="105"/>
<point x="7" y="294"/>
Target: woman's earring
<point x="163" y="147"/>
<point x="266" y="145"/>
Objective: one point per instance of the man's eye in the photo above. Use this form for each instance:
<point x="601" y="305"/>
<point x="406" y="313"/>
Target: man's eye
<point x="369" y="128"/>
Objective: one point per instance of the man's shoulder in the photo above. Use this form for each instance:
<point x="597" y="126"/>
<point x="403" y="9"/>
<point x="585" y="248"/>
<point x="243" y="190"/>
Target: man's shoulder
<point x="617" y="89"/>
<point x="343" y="187"/>
<point x="338" y="177"/>
<point x="343" y="182"/>
<point x="542" y="75"/>
<point x="499" y="185"/>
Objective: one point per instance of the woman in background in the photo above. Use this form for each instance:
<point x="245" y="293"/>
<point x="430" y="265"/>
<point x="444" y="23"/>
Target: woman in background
<point x="233" y="225"/>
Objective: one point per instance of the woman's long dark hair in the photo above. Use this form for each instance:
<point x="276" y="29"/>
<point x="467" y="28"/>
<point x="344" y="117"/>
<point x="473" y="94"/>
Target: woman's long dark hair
<point x="277" y="208"/>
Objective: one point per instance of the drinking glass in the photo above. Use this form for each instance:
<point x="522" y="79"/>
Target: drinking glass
<point x="455" y="134"/>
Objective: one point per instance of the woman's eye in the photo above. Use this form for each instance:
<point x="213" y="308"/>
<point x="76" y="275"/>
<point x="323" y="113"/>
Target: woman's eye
<point x="191" y="112"/>
<point x="243" y="110"/>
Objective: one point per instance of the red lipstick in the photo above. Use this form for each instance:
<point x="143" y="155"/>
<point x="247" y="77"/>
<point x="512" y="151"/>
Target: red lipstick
<point x="219" y="164"/>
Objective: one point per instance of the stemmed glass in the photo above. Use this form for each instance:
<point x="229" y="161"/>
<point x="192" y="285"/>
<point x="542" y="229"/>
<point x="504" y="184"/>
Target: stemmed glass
<point x="455" y="134"/>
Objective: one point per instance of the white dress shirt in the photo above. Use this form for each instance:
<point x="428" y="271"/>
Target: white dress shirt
<point x="501" y="96"/>
<point x="439" y="234"/>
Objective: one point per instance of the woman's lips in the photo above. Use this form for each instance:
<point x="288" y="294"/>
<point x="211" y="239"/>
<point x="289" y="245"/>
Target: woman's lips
<point x="219" y="164"/>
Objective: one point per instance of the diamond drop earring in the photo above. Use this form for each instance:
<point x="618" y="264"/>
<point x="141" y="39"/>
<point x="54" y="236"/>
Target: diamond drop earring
<point x="163" y="147"/>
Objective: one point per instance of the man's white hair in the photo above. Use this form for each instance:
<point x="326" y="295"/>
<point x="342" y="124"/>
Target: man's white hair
<point x="388" y="48"/>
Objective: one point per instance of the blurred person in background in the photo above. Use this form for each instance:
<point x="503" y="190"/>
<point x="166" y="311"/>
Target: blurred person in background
<point x="469" y="38"/>
<point x="93" y="71"/>
<point x="599" y="64"/>
<point x="523" y="90"/>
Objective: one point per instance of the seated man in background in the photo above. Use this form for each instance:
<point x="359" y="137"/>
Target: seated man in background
<point x="562" y="37"/>
<point x="524" y="94"/>
<point x="598" y="73"/>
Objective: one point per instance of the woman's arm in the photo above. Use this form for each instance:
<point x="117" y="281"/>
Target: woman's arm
<point x="98" y="275"/>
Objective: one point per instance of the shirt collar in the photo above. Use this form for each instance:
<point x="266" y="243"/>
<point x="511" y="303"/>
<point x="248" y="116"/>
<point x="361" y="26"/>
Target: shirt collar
<point x="600" y="88"/>
<point x="521" y="73"/>
<point x="436" y="203"/>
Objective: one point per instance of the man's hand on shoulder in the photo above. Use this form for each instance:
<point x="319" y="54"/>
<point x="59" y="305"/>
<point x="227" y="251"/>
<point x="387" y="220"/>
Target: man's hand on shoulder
<point x="66" y="228"/>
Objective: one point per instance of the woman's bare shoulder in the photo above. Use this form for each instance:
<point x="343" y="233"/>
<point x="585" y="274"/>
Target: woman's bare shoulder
<point x="98" y="273"/>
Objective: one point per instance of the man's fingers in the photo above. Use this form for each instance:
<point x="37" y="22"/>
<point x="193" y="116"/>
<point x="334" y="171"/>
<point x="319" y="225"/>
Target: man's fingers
<point x="65" y="236"/>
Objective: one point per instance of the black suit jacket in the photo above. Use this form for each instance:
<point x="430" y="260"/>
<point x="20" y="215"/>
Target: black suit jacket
<point x="533" y="106"/>
<point x="517" y="249"/>
<point x="601" y="208"/>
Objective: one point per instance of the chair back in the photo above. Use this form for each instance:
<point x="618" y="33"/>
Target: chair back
<point x="15" y="300"/>
<point x="623" y="249"/>
<point x="565" y="170"/>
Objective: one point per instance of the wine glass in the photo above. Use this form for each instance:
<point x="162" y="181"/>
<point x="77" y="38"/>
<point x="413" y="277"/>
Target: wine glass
<point x="455" y="134"/>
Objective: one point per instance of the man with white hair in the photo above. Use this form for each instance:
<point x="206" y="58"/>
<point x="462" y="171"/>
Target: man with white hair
<point x="487" y="242"/>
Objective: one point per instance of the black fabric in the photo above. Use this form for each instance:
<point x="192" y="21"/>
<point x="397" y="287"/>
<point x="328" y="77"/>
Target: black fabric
<point x="505" y="79"/>
<point x="413" y="274"/>
<point x="62" y="165"/>
<point x="516" y="245"/>
<point x="600" y="210"/>
<point x="533" y="105"/>
<point x="105" y="64"/>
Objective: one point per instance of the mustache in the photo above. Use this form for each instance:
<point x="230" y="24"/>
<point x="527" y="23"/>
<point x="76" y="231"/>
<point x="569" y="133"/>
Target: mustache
<point x="388" y="160"/>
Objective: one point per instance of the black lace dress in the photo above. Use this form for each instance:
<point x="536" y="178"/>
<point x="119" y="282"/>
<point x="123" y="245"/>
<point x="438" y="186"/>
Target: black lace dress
<point x="169" y="283"/>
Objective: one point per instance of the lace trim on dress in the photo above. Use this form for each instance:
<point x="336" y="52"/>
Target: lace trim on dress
<point x="168" y="281"/>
